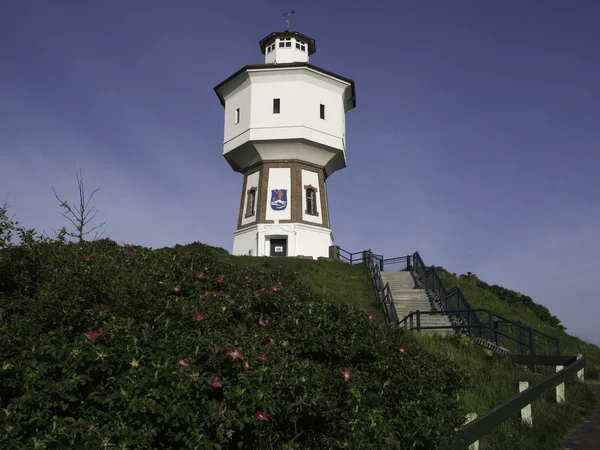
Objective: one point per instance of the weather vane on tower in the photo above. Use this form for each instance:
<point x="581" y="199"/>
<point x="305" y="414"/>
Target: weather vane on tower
<point x="287" y="20"/>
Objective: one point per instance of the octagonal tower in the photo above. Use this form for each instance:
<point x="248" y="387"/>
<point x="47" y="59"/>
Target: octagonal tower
<point x="285" y="131"/>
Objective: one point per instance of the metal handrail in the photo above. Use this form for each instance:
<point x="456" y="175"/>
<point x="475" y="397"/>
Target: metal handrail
<point x="454" y="303"/>
<point x="383" y="291"/>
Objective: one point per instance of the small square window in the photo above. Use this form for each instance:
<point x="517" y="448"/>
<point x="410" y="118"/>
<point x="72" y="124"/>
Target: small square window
<point x="322" y="111"/>
<point x="276" y="106"/>
<point x="281" y="44"/>
<point x="237" y="115"/>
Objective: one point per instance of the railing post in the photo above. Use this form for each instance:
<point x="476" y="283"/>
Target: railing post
<point x="469" y="324"/>
<point x="410" y="320"/>
<point x="521" y="341"/>
<point x="560" y="389"/>
<point x="557" y="346"/>
<point x="532" y="346"/>
<point x="580" y="376"/>
<point x="418" y="320"/>
<point x="408" y="267"/>
<point x="381" y="263"/>
<point x="491" y="325"/>
<point x="470" y="418"/>
<point x="334" y="252"/>
<point x="526" y="411"/>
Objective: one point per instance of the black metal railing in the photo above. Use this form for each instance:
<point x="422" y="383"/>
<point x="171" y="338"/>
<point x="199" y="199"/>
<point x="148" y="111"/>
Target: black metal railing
<point x="359" y="258"/>
<point x="449" y="300"/>
<point x="352" y="258"/>
<point x="516" y="337"/>
<point x="382" y="291"/>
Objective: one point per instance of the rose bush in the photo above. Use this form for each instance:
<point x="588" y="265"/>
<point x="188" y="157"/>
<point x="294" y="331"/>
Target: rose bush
<point x="103" y="345"/>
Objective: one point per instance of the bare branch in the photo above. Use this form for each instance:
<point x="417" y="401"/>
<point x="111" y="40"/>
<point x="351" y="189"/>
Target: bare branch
<point x="79" y="217"/>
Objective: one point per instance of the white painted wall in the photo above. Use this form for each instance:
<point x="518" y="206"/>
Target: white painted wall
<point x="252" y="182"/>
<point x="279" y="178"/>
<point x="244" y="241"/>
<point x="311" y="178"/>
<point x="301" y="91"/>
<point x="312" y="241"/>
<point x="305" y="240"/>
<point x="238" y="97"/>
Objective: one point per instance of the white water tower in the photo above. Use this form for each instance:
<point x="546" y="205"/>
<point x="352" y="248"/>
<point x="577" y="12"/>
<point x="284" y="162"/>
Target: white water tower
<point x="285" y="131"/>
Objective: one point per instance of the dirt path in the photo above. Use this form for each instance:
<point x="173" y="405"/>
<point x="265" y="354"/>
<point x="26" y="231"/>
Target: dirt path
<point x="587" y="435"/>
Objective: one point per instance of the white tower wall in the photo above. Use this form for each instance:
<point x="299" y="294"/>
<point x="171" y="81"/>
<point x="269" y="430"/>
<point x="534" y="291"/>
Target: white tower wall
<point x="286" y="148"/>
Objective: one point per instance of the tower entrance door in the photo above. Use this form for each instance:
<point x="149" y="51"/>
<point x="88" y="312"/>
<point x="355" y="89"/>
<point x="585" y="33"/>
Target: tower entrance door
<point x="278" y="247"/>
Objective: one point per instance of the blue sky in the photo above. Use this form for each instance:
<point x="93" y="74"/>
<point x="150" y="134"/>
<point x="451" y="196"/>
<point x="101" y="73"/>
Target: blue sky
<point x="474" y="140"/>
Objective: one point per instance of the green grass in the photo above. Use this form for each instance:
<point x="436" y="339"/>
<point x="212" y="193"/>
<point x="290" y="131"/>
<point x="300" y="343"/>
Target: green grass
<point x="336" y="281"/>
<point x="494" y="378"/>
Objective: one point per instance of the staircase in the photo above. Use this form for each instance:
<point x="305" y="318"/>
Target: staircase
<point x="409" y="298"/>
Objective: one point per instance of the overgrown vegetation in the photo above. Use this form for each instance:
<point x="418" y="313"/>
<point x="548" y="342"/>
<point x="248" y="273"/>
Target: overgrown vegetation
<point x="177" y="348"/>
<point x="190" y="347"/>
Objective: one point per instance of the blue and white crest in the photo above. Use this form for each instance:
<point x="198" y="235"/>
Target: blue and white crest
<point x="279" y="199"/>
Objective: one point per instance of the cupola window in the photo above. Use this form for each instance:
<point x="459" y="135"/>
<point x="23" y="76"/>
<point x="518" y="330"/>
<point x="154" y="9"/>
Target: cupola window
<point x="301" y="46"/>
<point x="286" y="42"/>
<point x="270" y="48"/>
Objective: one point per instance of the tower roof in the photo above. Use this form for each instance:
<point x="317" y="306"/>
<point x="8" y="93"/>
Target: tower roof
<point x="287" y="34"/>
<point x="249" y="67"/>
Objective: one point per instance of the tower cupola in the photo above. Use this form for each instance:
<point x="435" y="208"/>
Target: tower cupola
<point x="287" y="47"/>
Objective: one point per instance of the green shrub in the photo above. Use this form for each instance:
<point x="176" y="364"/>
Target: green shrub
<point x="102" y="344"/>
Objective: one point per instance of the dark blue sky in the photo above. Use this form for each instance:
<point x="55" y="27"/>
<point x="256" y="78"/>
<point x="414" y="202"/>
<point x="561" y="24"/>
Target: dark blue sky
<point x="474" y="140"/>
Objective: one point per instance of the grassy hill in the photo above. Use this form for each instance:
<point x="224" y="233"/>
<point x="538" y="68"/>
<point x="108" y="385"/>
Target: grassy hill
<point x="494" y="379"/>
<point x="124" y="345"/>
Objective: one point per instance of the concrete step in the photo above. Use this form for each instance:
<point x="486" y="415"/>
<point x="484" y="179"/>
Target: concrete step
<point x="413" y="303"/>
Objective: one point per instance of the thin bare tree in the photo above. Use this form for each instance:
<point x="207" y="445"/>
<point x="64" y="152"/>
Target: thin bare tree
<point x="79" y="217"/>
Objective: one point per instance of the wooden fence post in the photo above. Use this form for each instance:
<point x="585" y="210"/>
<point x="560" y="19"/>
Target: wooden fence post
<point x="470" y="418"/>
<point x="525" y="412"/>
<point x="560" y="389"/>
<point x="580" y="376"/>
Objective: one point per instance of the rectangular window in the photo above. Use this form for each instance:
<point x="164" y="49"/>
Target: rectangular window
<point x="311" y="200"/>
<point x="251" y="202"/>
<point x="322" y="112"/>
<point x="300" y="46"/>
<point x="237" y="115"/>
<point x="276" y="106"/>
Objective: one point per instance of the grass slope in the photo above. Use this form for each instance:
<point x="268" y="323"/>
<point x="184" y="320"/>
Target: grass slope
<point x="494" y="379"/>
<point x="484" y="297"/>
